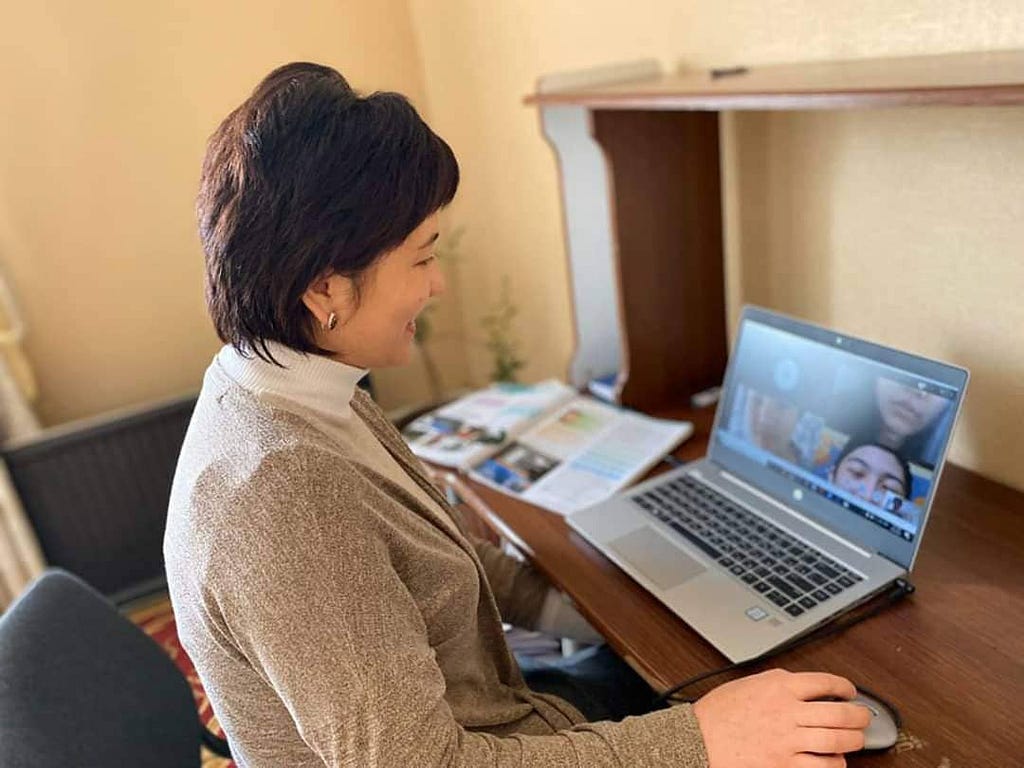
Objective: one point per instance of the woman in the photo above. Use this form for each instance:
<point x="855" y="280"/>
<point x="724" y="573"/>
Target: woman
<point x="908" y="419"/>
<point x="336" y="613"/>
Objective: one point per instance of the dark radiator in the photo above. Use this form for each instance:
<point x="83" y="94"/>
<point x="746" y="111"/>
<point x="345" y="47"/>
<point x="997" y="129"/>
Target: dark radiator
<point x="96" y="494"/>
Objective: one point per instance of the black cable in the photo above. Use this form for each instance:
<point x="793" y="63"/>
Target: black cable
<point x="900" y="589"/>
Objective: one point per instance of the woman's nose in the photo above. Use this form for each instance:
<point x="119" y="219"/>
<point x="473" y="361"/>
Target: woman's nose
<point x="437" y="282"/>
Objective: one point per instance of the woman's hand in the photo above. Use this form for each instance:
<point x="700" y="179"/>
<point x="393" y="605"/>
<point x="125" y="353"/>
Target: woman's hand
<point x="772" y="720"/>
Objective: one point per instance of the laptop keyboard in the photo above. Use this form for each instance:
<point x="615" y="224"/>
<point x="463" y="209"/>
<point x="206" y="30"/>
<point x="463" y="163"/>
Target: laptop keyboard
<point x="779" y="567"/>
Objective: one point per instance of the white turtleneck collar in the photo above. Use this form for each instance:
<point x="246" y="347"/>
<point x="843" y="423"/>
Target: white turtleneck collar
<point x="311" y="381"/>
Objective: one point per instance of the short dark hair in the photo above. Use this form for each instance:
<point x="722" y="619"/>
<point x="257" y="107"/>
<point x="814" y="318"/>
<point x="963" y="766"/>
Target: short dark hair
<point x="307" y="177"/>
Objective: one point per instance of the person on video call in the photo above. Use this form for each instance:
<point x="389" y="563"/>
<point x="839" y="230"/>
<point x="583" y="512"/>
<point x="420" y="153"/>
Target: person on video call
<point x="871" y="472"/>
<point x="336" y="610"/>
<point x="905" y="414"/>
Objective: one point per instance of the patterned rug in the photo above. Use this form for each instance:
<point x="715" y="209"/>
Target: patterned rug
<point x="157" y="620"/>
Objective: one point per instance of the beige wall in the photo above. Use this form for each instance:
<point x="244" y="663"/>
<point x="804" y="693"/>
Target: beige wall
<point x="106" y="109"/>
<point x="905" y="226"/>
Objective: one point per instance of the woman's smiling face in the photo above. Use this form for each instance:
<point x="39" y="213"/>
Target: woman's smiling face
<point x="376" y="327"/>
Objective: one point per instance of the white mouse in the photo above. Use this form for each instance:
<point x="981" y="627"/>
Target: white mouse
<point x="883" y="730"/>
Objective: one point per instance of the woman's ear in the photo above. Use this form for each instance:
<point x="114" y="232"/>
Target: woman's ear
<point x="327" y="295"/>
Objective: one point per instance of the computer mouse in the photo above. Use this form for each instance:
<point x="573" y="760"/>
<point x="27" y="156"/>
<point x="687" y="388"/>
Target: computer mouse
<point x="884" y="728"/>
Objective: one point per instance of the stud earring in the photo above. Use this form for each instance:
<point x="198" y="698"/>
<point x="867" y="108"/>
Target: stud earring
<point x="332" y="322"/>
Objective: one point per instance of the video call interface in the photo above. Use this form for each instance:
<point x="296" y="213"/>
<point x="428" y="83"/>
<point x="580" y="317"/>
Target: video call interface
<point x="861" y="434"/>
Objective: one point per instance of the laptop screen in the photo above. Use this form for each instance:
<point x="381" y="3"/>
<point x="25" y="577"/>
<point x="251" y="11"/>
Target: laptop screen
<point x="855" y="431"/>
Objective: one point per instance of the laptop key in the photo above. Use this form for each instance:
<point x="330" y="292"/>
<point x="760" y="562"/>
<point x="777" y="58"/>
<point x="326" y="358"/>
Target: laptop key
<point x="833" y="588"/>
<point x="726" y="562"/>
<point x="784" y="586"/>
<point x="761" y="571"/>
<point x="827" y="570"/>
<point x="702" y="545"/>
<point x="749" y="578"/>
<point x="808" y="602"/>
<point x="820" y="595"/>
<point x="846" y="581"/>
<point x="794" y="610"/>
<point x="778" y="598"/>
<point x="762" y="587"/>
<point x="804" y="585"/>
<point x="816" y="577"/>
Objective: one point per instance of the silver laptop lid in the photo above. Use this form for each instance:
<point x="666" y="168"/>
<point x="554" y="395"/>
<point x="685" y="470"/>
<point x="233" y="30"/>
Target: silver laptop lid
<point x="850" y="434"/>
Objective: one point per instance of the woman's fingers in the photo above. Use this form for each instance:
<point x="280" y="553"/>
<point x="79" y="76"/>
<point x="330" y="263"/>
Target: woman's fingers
<point x="818" y="761"/>
<point x="833" y="714"/>
<point x="829" y="741"/>
<point x="819" y="685"/>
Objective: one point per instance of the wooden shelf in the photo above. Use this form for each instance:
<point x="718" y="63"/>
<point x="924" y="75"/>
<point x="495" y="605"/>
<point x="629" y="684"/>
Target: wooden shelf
<point x="639" y="165"/>
<point x="960" y="79"/>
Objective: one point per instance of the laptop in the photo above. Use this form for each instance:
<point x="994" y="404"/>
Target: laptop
<point x="821" y="469"/>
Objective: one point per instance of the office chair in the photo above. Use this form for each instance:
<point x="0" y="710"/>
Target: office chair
<point x="95" y="492"/>
<point x="80" y="685"/>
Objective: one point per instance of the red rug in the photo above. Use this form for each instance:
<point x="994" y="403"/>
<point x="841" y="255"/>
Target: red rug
<point x="158" y="622"/>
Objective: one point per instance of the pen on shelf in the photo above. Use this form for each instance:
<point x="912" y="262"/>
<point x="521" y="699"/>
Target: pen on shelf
<point x="706" y="397"/>
<point x="727" y="72"/>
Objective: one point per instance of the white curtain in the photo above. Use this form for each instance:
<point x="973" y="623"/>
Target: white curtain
<point x="21" y="559"/>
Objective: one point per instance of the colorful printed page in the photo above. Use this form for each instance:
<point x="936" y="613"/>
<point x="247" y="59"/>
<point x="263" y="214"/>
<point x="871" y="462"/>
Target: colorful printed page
<point x="581" y="454"/>
<point x="477" y="425"/>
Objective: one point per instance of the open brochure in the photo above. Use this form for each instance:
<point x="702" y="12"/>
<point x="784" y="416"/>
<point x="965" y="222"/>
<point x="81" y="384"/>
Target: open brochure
<point x="571" y="452"/>
<point x="475" y="426"/>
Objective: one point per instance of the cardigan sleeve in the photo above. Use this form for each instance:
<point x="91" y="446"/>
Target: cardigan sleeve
<point x="327" y="622"/>
<point x="519" y="590"/>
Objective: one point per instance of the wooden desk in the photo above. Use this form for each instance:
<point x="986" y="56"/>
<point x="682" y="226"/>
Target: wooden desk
<point x="951" y="657"/>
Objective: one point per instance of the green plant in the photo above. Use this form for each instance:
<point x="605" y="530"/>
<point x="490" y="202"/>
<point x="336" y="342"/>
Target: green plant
<point x="500" y="341"/>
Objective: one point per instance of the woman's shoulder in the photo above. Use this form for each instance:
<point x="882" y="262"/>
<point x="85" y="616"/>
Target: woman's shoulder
<point x="228" y="415"/>
<point x="238" y="445"/>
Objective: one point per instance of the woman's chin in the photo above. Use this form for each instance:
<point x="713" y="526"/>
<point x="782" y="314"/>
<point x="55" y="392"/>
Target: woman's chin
<point x="400" y="357"/>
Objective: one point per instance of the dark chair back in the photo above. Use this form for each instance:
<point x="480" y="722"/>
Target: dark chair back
<point x="81" y="685"/>
<point x="95" y="493"/>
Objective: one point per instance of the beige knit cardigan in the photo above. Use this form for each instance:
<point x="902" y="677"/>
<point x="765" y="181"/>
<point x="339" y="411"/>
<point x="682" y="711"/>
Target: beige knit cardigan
<point x="337" y="620"/>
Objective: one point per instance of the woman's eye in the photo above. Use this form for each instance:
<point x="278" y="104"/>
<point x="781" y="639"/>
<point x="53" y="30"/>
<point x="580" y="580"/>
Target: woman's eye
<point x="426" y="261"/>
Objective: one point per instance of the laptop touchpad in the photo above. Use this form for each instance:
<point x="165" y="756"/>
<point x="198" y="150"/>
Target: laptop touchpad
<point x="656" y="558"/>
